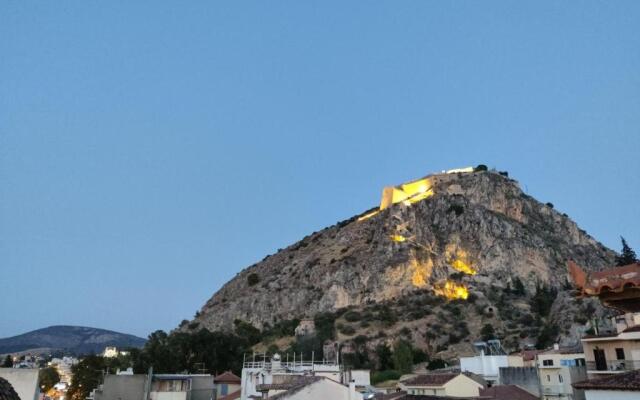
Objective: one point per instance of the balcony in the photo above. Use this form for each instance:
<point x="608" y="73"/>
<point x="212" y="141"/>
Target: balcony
<point x="612" y="366"/>
<point x="554" y="390"/>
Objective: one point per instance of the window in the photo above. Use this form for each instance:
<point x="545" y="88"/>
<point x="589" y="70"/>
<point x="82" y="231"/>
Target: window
<point x="620" y="353"/>
<point x="560" y="378"/>
<point x="548" y="378"/>
<point x="547" y="363"/>
<point x="224" y="389"/>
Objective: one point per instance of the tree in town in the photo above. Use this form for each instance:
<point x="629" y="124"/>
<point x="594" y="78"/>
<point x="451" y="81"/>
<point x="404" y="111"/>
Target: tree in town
<point x="383" y="353"/>
<point x="8" y="362"/>
<point x="47" y="378"/>
<point x="627" y="256"/>
<point x="87" y="375"/>
<point x="402" y="356"/>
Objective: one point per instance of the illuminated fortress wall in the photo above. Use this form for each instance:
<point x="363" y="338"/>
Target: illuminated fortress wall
<point x="414" y="191"/>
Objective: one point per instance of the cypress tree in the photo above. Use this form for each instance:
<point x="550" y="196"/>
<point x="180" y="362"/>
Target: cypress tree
<point x="627" y="256"/>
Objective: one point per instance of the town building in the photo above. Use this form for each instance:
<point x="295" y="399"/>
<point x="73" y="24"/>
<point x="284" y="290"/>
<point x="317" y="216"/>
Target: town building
<point x="526" y="378"/>
<point x="612" y="359"/>
<point x="297" y="387"/>
<point x="454" y="384"/>
<point x="155" y="387"/>
<point x="617" y="288"/>
<point x="491" y="357"/>
<point x="625" y="386"/>
<point x="559" y="368"/>
<point x="612" y="353"/>
<point x="257" y="374"/>
<point x="506" y="392"/>
<point x="227" y="386"/>
<point x="110" y="352"/>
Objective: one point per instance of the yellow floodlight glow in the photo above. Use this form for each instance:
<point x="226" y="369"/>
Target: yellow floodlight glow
<point x="368" y="215"/>
<point x="421" y="273"/>
<point x="463" y="267"/>
<point x="452" y="291"/>
<point x="398" y="238"/>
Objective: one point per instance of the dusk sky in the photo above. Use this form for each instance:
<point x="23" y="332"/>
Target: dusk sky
<point x="150" y="151"/>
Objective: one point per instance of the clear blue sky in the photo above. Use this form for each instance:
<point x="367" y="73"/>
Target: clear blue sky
<point x="150" y="151"/>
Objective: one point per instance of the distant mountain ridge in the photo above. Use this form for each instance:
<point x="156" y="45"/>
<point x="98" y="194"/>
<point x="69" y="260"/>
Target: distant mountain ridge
<point x="76" y="340"/>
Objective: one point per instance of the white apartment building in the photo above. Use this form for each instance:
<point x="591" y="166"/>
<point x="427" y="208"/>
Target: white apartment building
<point x="260" y="376"/>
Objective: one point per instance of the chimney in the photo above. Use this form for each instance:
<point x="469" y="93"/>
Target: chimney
<point x="556" y="346"/>
<point x="352" y="390"/>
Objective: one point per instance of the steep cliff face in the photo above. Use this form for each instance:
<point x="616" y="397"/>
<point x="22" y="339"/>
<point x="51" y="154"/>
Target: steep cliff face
<point x="473" y="234"/>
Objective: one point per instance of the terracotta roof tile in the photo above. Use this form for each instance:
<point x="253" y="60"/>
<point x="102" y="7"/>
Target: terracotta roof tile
<point x="614" y="279"/>
<point x="438" y="379"/>
<point x="632" y="329"/>
<point x="406" y="396"/>
<point x="625" y="381"/>
<point x="227" y="377"/>
<point x="507" y="392"/>
<point x="298" y="381"/>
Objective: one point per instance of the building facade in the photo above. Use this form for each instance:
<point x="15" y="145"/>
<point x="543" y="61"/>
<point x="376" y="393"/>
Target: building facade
<point x="559" y="369"/>
<point x="257" y="374"/>
<point x="613" y="353"/>
<point x="442" y="384"/>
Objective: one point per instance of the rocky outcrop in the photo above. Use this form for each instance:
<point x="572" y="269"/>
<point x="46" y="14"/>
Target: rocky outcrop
<point x="476" y="232"/>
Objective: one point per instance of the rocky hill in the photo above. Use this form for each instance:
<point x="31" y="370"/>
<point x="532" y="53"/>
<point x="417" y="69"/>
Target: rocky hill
<point x="441" y="258"/>
<point x="75" y="340"/>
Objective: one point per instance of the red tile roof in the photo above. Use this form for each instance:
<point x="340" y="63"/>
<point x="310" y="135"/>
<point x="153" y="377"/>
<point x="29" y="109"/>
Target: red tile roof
<point x="227" y="377"/>
<point x="609" y="280"/>
<point x="506" y="392"/>
<point x="625" y="381"/>
<point x="632" y="329"/>
<point x="296" y="382"/>
<point x="405" y="396"/>
<point x="440" y="378"/>
<point x="437" y="379"/>
<point x="529" y="355"/>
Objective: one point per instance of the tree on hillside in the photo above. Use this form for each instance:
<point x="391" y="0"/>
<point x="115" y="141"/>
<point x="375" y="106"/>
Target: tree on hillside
<point x="543" y="299"/>
<point x="383" y="352"/>
<point x="627" y="256"/>
<point x="518" y="287"/>
<point x="488" y="332"/>
<point x="402" y="356"/>
<point x="8" y="362"/>
<point x="48" y="377"/>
